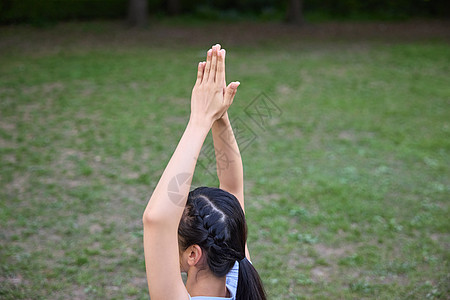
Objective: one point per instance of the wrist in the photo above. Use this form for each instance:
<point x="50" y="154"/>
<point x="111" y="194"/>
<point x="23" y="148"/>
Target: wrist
<point x="200" y="124"/>
<point x="223" y="121"/>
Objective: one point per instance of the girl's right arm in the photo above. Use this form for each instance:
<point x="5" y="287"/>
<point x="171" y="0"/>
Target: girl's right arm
<point x="228" y="159"/>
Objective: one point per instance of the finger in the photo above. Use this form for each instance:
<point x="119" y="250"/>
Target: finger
<point x="220" y="75"/>
<point x="201" y="68"/>
<point x="212" y="72"/>
<point x="208" y="65"/>
<point x="230" y="92"/>
<point x="224" y="73"/>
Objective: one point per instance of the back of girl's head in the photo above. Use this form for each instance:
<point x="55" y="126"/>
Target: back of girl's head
<point x="214" y="220"/>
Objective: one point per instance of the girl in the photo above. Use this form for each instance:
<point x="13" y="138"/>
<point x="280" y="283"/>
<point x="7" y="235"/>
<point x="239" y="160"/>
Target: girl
<point x="203" y="232"/>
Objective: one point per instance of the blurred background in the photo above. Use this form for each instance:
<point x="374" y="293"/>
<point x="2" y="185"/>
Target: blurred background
<point x="342" y="117"/>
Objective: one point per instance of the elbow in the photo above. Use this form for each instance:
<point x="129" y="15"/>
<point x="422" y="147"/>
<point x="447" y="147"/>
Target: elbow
<point x="153" y="219"/>
<point x="150" y="219"/>
<point x="146" y="218"/>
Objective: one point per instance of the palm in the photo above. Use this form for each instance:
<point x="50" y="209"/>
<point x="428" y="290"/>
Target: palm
<point x="210" y="97"/>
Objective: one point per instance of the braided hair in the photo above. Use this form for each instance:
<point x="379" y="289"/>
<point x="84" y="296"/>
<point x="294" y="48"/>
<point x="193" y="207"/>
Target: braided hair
<point x="214" y="220"/>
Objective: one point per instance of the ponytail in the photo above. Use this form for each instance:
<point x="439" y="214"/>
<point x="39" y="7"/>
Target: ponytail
<point x="214" y="220"/>
<point x="249" y="284"/>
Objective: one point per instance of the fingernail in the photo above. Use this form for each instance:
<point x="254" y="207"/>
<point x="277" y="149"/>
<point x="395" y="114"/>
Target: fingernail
<point x="235" y="84"/>
<point x="209" y="52"/>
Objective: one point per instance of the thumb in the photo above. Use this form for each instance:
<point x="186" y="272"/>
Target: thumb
<point x="230" y="92"/>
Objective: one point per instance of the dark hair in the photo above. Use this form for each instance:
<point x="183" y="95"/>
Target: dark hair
<point x="214" y="220"/>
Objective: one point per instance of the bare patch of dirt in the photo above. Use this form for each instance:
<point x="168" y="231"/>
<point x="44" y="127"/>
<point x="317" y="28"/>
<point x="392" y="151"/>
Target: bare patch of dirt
<point x="334" y="253"/>
<point x="347" y="136"/>
<point x="18" y="185"/>
<point x="331" y="256"/>
<point x="295" y="260"/>
<point x="116" y="34"/>
<point x="14" y="280"/>
<point x="321" y="273"/>
<point x="284" y="89"/>
<point x="79" y="293"/>
<point x="7" y="126"/>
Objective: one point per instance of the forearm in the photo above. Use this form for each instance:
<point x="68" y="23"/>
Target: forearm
<point x="168" y="200"/>
<point x="228" y="158"/>
<point x="229" y="162"/>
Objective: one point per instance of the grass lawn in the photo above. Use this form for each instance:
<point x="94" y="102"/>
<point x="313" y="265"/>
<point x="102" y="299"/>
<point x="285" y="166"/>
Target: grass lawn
<point x="346" y="150"/>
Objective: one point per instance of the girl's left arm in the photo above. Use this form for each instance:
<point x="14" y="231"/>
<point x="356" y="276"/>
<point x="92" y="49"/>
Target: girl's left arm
<point x="165" y="207"/>
<point x="163" y="214"/>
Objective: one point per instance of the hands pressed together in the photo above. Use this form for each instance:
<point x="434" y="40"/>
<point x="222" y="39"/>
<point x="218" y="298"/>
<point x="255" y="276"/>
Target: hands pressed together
<point x="210" y="96"/>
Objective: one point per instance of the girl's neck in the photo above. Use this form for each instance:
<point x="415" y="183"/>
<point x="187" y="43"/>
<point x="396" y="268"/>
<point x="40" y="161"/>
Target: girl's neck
<point x="204" y="283"/>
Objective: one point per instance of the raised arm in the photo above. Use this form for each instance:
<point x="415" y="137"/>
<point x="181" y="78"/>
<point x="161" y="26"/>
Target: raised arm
<point x="228" y="158"/>
<point x="165" y="207"/>
<point x="229" y="162"/>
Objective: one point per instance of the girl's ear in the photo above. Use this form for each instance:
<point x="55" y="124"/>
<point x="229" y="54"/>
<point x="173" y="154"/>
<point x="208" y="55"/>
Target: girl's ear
<point x="195" y="254"/>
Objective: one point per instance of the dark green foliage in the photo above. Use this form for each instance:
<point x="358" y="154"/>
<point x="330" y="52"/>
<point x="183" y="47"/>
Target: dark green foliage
<point x="50" y="10"/>
<point x="45" y="11"/>
<point x="378" y="8"/>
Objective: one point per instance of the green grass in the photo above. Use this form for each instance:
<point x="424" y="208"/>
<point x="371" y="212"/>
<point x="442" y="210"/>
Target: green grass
<point x="347" y="190"/>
